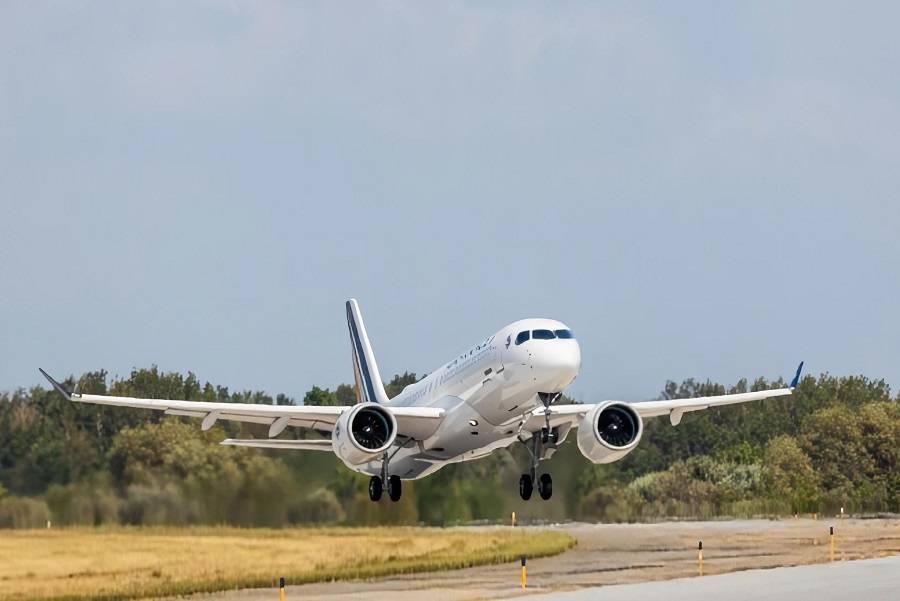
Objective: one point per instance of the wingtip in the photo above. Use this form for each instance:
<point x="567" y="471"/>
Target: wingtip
<point x="59" y="387"/>
<point x="796" y="379"/>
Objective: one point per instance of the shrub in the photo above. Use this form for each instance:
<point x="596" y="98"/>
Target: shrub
<point x="320" y="507"/>
<point x="23" y="512"/>
<point x="83" y="505"/>
<point x="149" y="505"/>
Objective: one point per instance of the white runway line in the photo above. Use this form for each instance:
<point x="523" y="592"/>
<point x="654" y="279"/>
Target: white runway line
<point x="870" y="579"/>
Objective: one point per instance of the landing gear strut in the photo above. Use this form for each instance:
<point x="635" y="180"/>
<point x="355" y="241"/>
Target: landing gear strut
<point x="547" y="399"/>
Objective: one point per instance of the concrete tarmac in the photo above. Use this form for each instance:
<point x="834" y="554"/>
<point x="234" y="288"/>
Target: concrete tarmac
<point x="871" y="579"/>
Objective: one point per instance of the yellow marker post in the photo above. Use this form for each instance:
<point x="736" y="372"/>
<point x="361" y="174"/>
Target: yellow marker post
<point x="513" y="519"/>
<point x="700" y="558"/>
<point x="831" y="543"/>
<point x="523" y="572"/>
<point x="281" y="589"/>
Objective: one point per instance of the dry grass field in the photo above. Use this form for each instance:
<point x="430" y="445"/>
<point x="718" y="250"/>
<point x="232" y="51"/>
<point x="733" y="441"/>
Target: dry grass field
<point x="129" y="563"/>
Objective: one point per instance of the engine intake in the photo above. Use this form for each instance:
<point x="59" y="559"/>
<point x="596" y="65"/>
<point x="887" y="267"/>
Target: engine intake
<point x="363" y="433"/>
<point x="608" y="432"/>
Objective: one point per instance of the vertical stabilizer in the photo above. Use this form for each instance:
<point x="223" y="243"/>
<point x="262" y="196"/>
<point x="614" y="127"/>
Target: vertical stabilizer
<point x="369" y="388"/>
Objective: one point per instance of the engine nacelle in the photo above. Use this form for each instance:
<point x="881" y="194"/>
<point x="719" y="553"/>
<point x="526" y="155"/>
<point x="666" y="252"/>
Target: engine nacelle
<point x="608" y="432"/>
<point x="363" y="433"/>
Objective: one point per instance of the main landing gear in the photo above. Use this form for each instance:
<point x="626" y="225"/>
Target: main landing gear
<point x="376" y="484"/>
<point x="376" y="488"/>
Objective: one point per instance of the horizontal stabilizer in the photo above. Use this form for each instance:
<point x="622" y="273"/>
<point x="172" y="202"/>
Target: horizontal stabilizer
<point x="279" y="443"/>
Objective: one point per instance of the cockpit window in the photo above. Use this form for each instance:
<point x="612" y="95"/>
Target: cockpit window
<point x="523" y="337"/>
<point x="543" y="335"/>
<point x="564" y="334"/>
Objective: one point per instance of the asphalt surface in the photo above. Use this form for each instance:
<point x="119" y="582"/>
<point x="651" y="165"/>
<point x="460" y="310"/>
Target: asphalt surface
<point x="609" y="556"/>
<point x="871" y="579"/>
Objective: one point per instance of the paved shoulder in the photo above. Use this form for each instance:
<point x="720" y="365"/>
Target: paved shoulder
<point x="872" y="579"/>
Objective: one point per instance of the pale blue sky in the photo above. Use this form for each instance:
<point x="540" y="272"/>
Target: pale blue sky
<point x="706" y="190"/>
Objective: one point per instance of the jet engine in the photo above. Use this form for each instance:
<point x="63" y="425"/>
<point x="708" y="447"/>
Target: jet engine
<point x="363" y="433"/>
<point x="608" y="432"/>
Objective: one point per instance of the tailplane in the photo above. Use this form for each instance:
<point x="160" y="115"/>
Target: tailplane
<point x="369" y="387"/>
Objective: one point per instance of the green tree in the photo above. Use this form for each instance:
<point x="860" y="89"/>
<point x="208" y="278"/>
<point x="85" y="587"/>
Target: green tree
<point x="320" y="397"/>
<point x="789" y="474"/>
<point x="345" y="394"/>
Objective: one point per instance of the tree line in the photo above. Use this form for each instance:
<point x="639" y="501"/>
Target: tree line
<point x="834" y="443"/>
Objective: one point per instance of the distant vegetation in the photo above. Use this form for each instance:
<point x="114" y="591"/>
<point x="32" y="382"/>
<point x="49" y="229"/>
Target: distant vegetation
<point x="137" y="563"/>
<point x="834" y="443"/>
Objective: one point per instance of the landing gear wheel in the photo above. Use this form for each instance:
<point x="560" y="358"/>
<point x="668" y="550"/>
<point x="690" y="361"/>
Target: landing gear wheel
<point x="545" y="486"/>
<point x="526" y="486"/>
<point x="375" y="488"/>
<point x="394" y="488"/>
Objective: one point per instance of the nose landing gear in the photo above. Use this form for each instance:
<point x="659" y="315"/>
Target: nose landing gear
<point x="526" y="482"/>
<point x="547" y="399"/>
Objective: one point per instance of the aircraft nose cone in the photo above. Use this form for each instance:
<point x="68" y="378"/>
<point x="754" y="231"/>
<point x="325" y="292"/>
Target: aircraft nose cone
<point x="558" y="364"/>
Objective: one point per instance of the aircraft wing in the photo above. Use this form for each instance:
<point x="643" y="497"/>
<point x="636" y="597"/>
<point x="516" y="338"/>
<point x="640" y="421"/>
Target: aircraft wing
<point x="674" y="408"/>
<point x="415" y="422"/>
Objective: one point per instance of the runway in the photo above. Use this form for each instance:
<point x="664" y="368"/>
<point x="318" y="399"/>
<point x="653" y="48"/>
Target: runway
<point x="871" y="579"/>
<point x="609" y="557"/>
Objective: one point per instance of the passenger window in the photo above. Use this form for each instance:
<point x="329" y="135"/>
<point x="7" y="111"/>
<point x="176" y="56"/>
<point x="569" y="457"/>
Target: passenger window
<point x="523" y="337"/>
<point x="564" y="334"/>
<point x="543" y="335"/>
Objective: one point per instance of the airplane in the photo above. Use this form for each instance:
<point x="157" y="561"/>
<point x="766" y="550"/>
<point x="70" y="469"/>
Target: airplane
<point x="500" y="392"/>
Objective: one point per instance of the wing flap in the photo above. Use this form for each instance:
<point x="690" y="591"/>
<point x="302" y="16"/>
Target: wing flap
<point x="279" y="443"/>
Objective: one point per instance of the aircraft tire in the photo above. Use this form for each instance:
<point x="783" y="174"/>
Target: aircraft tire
<point x="375" y="488"/>
<point x="545" y="486"/>
<point x="526" y="487"/>
<point x="394" y="488"/>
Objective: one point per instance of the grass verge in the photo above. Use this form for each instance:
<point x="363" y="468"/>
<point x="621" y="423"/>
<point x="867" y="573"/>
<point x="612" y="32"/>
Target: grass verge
<point x="114" y="564"/>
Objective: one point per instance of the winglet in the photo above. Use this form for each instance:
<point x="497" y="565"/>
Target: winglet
<point x="796" y="379"/>
<point x="59" y="387"/>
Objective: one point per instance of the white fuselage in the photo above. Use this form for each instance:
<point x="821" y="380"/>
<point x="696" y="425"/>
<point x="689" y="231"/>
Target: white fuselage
<point x="486" y="393"/>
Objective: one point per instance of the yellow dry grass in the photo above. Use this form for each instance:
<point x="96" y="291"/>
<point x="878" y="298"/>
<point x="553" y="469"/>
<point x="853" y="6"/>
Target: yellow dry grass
<point x="129" y="563"/>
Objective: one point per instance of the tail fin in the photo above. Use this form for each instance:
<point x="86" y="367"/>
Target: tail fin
<point x="369" y="388"/>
